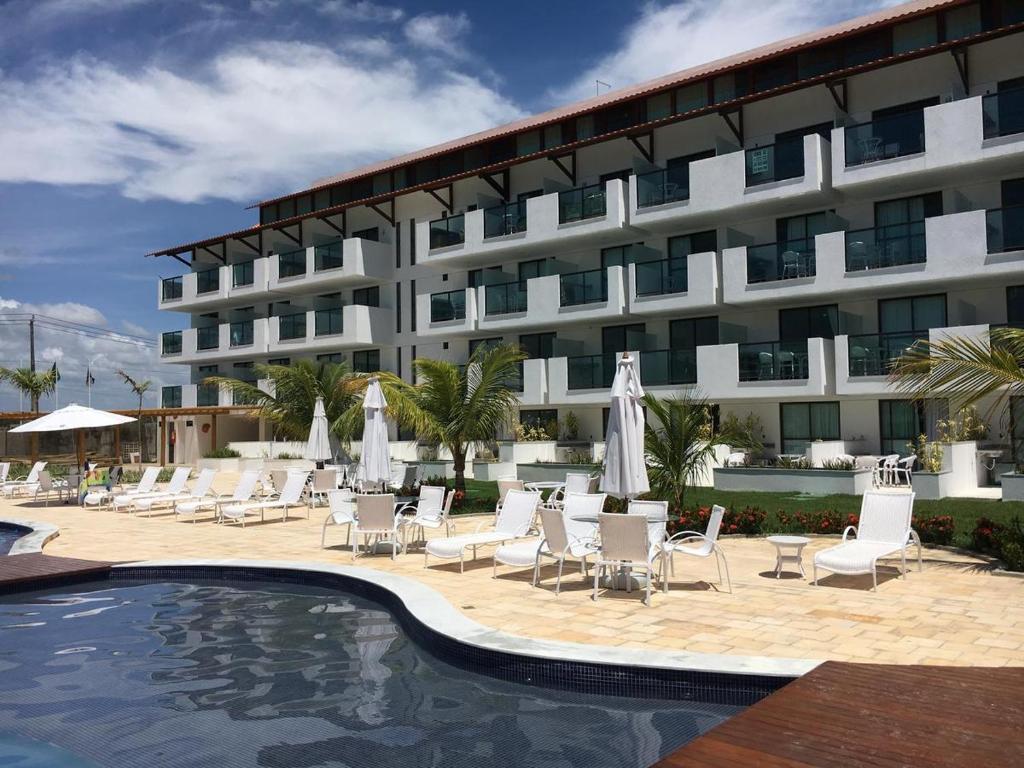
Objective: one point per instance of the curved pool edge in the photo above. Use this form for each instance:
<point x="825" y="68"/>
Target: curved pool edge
<point x="39" y="534"/>
<point x="431" y="609"/>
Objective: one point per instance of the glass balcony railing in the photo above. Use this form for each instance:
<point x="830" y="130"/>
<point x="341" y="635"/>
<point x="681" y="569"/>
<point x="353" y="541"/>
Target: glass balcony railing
<point x="773" y="361"/>
<point x="291" y="326"/>
<point x="505" y="219"/>
<point x="170" y="288"/>
<point x="1002" y="113"/>
<point x="208" y="281"/>
<point x="208" y="337"/>
<point x="170" y="343"/>
<point x="886" y="246"/>
<point x="240" y="333"/>
<point x="328" y="256"/>
<point x="207" y="395"/>
<point x="775" y="162"/>
<point x="327" y="322"/>
<point x="781" y="261"/>
<point x="657" y="278"/>
<point x="242" y="274"/>
<point x="505" y="298"/>
<point x="291" y="264"/>
<point x="666" y="367"/>
<point x="516" y="383"/>
<point x="170" y="397"/>
<point x="589" y="287"/>
<point x="450" y="231"/>
<point x="241" y="398"/>
<point x="884" y="138"/>
<point x="665" y="185"/>
<point x="873" y="354"/>
<point x="591" y="371"/>
<point x="450" y="305"/>
<point x="1004" y="229"/>
<point x="581" y="203"/>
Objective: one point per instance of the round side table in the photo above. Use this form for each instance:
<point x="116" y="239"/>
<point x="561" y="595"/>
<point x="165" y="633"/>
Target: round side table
<point x="789" y="549"/>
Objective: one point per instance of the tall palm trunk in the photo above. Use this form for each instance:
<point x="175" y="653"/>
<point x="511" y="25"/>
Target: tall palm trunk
<point x="459" y="465"/>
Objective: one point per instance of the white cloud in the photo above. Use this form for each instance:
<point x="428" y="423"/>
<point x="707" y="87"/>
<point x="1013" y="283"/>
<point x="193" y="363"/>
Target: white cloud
<point x="439" y="32"/>
<point x="53" y="9"/>
<point x="359" y="10"/>
<point x="263" y="117"/>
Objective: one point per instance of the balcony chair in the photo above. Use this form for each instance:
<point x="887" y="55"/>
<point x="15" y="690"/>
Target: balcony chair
<point x="787" y="364"/>
<point x="791" y="265"/>
<point x="856" y="256"/>
<point x="765" y="366"/>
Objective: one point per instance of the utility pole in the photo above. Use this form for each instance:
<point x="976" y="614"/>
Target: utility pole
<point x="32" y="358"/>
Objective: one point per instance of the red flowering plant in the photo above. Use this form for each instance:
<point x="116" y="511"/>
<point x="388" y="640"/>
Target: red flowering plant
<point x="749" y="521"/>
<point x="935" y="530"/>
<point x="828" y="521"/>
<point x="985" y="536"/>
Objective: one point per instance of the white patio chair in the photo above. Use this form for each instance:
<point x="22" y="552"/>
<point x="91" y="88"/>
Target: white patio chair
<point x="902" y="473"/>
<point x="324" y="481"/>
<point x="575" y="482"/>
<point x="513" y="522"/>
<point x="376" y="519"/>
<point x="883" y="530"/>
<point x="290" y="496"/>
<point x="47" y="486"/>
<point x="177" y="485"/>
<point x="244" y="489"/>
<point x="657" y="531"/>
<point x="98" y="497"/>
<point x="5" y="469"/>
<point x="201" y="491"/>
<point x="736" y="460"/>
<point x="28" y="483"/>
<point x="885" y="474"/>
<point x="706" y="546"/>
<point x="506" y="484"/>
<point x="626" y="545"/>
<point x="342" y="503"/>
<point x="432" y="511"/>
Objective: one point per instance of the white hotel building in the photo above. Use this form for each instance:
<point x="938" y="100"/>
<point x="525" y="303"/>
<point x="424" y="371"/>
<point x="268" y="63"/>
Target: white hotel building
<point x="770" y="229"/>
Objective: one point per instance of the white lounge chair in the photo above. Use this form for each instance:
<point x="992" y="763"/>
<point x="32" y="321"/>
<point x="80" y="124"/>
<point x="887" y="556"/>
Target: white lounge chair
<point x="883" y="530"/>
<point x="706" y="546"/>
<point x="47" y="486"/>
<point x="290" y="496"/>
<point x="432" y="511"/>
<point x="376" y="519"/>
<point x="506" y="484"/>
<point x="513" y="522"/>
<point x="98" y="496"/>
<point x="201" y="491"/>
<point x="5" y="469"/>
<point x="626" y="544"/>
<point x="342" y="504"/>
<point x="176" y="485"/>
<point x="244" y="489"/>
<point x="28" y="483"/>
<point x="146" y="484"/>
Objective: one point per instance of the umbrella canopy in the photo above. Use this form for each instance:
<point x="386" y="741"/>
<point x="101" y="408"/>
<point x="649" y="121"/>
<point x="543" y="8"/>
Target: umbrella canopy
<point x="625" y="470"/>
<point x="375" y="461"/>
<point x="318" y="446"/>
<point x="73" y="417"/>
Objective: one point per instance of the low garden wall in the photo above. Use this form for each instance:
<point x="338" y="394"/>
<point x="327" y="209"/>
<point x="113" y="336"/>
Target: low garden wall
<point x="546" y="473"/>
<point x="817" y="482"/>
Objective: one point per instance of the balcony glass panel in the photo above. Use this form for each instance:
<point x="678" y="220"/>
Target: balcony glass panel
<point x="240" y="333"/>
<point x="773" y="360"/>
<point x="884" y="138"/>
<point x="241" y="398"/>
<point x="505" y="298"/>
<point x="663" y="186"/>
<point x="665" y="367"/>
<point x="291" y="326"/>
<point x="656" y="278"/>
<point x="170" y="343"/>
<point x="581" y="203"/>
<point x="591" y="371"/>
<point x="1004" y="229"/>
<point x="327" y="322"/>
<point x="588" y="287"/>
<point x="450" y="231"/>
<point x="873" y="354"/>
<point x="242" y="274"/>
<point x="207" y="281"/>
<point x="208" y="337"/>
<point x="450" y="305"/>
<point x="207" y="395"/>
<point x="292" y="263"/>
<point x="515" y="383"/>
<point x="505" y="219"/>
<point x="170" y="397"/>
<point x="1002" y="113"/>
<point x="328" y="256"/>
<point x="781" y="261"/>
<point x="775" y="162"/>
<point x="888" y="246"/>
<point x="170" y="288"/>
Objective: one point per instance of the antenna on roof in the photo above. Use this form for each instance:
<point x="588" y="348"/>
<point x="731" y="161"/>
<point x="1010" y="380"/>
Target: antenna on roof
<point x="597" y="86"/>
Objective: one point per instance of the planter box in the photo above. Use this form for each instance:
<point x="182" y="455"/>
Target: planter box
<point x="816" y="482"/>
<point x="546" y="473"/>
<point x="493" y="470"/>
<point x="221" y="465"/>
<point x="1013" y="487"/>
<point x="819" y="452"/>
<point x="933" y="485"/>
<point x="439" y="469"/>
<point x="526" y="452"/>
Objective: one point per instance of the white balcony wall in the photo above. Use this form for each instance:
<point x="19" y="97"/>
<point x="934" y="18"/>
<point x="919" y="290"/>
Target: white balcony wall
<point x="260" y="280"/>
<point x="191" y="299"/>
<point x="361" y="326"/>
<point x="190" y="353"/>
<point x="703" y="291"/>
<point x="363" y="261"/>
<point x="718" y="375"/>
<point x="560" y="394"/>
<point x="426" y="328"/>
<point x="535" y="382"/>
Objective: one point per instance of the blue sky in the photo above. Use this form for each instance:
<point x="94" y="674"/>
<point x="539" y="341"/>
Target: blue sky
<point x="131" y="125"/>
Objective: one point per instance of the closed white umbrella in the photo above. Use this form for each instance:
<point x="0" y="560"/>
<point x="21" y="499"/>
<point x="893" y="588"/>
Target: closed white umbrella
<point x="375" y="460"/>
<point x="625" y="469"/>
<point x="318" y="446"/>
<point x="74" y="418"/>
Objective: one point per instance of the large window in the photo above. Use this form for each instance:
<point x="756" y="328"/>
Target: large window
<point x="623" y="338"/>
<point x="1017" y="428"/>
<point x="531" y="269"/>
<point x="366" y="361"/>
<point x="915" y="313"/>
<point x="1015" y="307"/>
<point x="489" y="343"/>
<point x="546" y="419"/>
<point x="619" y="255"/>
<point x="697" y="242"/>
<point x="367" y="297"/>
<point x="803" y="423"/>
<point x="537" y="345"/>
<point x="691" y="333"/>
<point x="902" y="421"/>
<point x="801" y="323"/>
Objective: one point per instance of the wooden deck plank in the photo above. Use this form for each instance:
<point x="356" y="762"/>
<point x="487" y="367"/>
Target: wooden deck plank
<point x="16" y="570"/>
<point x="874" y="716"/>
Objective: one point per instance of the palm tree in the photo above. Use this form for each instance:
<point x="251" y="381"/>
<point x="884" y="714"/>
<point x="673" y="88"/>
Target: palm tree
<point x="31" y="383"/>
<point x="139" y="387"/>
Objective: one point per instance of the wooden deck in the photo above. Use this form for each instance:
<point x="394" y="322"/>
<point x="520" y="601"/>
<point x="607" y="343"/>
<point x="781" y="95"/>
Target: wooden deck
<point x="876" y="715"/>
<point x="17" y="570"/>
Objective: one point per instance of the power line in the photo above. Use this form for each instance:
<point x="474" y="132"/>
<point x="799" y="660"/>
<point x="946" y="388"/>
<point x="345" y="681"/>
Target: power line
<point x="82" y="330"/>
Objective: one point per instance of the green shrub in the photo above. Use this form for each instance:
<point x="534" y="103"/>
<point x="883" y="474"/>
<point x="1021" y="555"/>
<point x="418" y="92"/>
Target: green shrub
<point x="844" y="465"/>
<point x="222" y="453"/>
<point x="828" y="521"/>
<point x="1010" y="541"/>
<point x="288" y="456"/>
<point x="935" y="530"/>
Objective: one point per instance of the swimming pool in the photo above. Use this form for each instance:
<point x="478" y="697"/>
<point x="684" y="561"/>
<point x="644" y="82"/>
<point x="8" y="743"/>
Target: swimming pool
<point x="10" y="534"/>
<point x="272" y="674"/>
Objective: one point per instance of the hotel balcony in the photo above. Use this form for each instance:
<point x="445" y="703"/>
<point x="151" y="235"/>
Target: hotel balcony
<point x="242" y="339"/>
<point x="758" y="181"/>
<point x="981" y="135"/>
<point x="195" y="396"/>
<point x="863" y="361"/>
<point x="330" y="266"/>
<point x="581" y="379"/>
<point x="446" y="313"/>
<point x="534" y="382"/>
<point x="590" y="214"/>
<point x="194" y="291"/>
<point x="974" y="245"/>
<point x="553" y="300"/>
<point x="781" y="370"/>
<point x="351" y="326"/>
<point x="671" y="286"/>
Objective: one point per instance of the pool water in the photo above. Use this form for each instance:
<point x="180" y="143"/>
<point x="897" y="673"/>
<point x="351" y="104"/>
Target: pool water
<point x="8" y="535"/>
<point x="285" y="675"/>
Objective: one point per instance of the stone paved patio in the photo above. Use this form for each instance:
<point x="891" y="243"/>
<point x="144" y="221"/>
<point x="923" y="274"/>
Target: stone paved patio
<point x="955" y="612"/>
